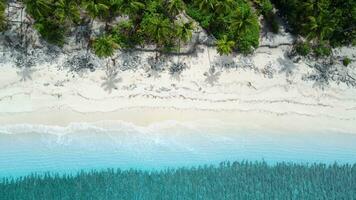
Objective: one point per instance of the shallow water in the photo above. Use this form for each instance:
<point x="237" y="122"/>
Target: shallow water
<point x="25" y="149"/>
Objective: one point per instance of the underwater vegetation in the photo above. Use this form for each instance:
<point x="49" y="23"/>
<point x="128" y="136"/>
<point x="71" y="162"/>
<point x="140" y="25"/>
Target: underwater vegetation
<point x="237" y="180"/>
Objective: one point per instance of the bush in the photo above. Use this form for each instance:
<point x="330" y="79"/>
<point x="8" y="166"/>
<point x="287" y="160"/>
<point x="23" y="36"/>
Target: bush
<point x="327" y="20"/>
<point x="51" y="31"/>
<point x="303" y="48"/>
<point x="272" y="23"/>
<point x="235" y="20"/>
<point x="322" y="49"/>
<point x="266" y="7"/>
<point x="2" y="15"/>
<point x="346" y="61"/>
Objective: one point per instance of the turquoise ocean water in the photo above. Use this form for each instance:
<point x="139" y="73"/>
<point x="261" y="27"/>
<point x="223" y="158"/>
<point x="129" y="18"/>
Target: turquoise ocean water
<point x="26" y="149"/>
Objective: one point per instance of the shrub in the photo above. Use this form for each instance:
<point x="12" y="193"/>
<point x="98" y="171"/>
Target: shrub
<point x="346" y="61"/>
<point x="327" y="20"/>
<point x="266" y="7"/>
<point x="2" y="15"/>
<point x="51" y="31"/>
<point x="303" y="48"/>
<point x="322" y="49"/>
<point x="235" y="20"/>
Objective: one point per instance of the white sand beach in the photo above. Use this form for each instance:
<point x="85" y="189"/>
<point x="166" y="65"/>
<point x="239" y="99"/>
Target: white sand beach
<point x="265" y="90"/>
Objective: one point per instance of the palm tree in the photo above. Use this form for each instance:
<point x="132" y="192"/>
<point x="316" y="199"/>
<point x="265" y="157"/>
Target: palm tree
<point x="318" y="27"/>
<point x="206" y="4"/>
<point x="174" y="7"/>
<point x="95" y="9"/>
<point x="128" y="7"/>
<point x="157" y="28"/>
<point x="225" y="46"/>
<point x="241" y="19"/>
<point x="105" y="46"/>
<point x="224" y="6"/>
<point x="184" y="33"/>
<point x="309" y="6"/>
<point x="37" y="8"/>
<point x="67" y="11"/>
<point x="2" y="16"/>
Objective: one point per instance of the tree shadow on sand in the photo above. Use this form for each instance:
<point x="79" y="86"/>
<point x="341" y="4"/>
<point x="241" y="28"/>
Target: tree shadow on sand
<point x="155" y="66"/>
<point x="212" y="76"/>
<point x="25" y="73"/>
<point x="287" y="65"/>
<point x="110" y="80"/>
<point x="176" y="69"/>
<point x="129" y="61"/>
<point x="324" y="73"/>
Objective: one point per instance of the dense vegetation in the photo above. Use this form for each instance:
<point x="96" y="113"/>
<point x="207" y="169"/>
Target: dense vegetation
<point x="238" y="180"/>
<point x="232" y="22"/>
<point x="324" y="23"/>
<point x="169" y="23"/>
<point x="2" y="15"/>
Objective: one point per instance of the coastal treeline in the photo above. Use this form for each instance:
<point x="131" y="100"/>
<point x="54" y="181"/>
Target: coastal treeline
<point x="233" y="23"/>
<point x="237" y="180"/>
<point x="167" y="24"/>
<point x="2" y="15"/>
<point x="323" y="23"/>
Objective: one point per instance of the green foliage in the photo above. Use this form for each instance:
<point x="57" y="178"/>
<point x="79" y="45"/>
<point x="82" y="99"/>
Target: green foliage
<point x="67" y="11"/>
<point x="152" y="22"/>
<point x="38" y="9"/>
<point x="121" y="34"/>
<point x="322" y="49"/>
<point x="225" y="46"/>
<point x="157" y="28"/>
<point x="332" y="21"/>
<point x="105" y="46"/>
<point x="346" y="61"/>
<point x="2" y="15"/>
<point x="50" y="31"/>
<point x="234" y="20"/>
<point x="53" y="18"/>
<point x="237" y="180"/>
<point x="266" y="9"/>
<point x="303" y="48"/>
<point x="95" y="8"/>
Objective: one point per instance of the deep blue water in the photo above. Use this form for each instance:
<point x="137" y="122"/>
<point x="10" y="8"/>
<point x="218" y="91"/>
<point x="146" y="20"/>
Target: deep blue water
<point x="28" y="149"/>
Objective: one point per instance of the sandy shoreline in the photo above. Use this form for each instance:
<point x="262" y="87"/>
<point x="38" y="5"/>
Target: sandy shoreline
<point x="292" y="123"/>
<point x="265" y="91"/>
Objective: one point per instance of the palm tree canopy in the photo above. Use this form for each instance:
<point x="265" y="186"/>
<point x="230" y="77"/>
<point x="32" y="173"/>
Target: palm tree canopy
<point x="37" y="8"/>
<point x="104" y="46"/>
<point x="185" y="31"/>
<point x="95" y="9"/>
<point x="225" y="46"/>
<point x="174" y="7"/>
<point x="67" y="10"/>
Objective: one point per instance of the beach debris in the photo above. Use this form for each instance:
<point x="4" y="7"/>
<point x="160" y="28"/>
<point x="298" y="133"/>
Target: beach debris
<point x="130" y="62"/>
<point x="324" y="73"/>
<point x="268" y="71"/>
<point x="79" y="62"/>
<point x="156" y="64"/>
<point x="177" y="68"/>
<point x="249" y="84"/>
